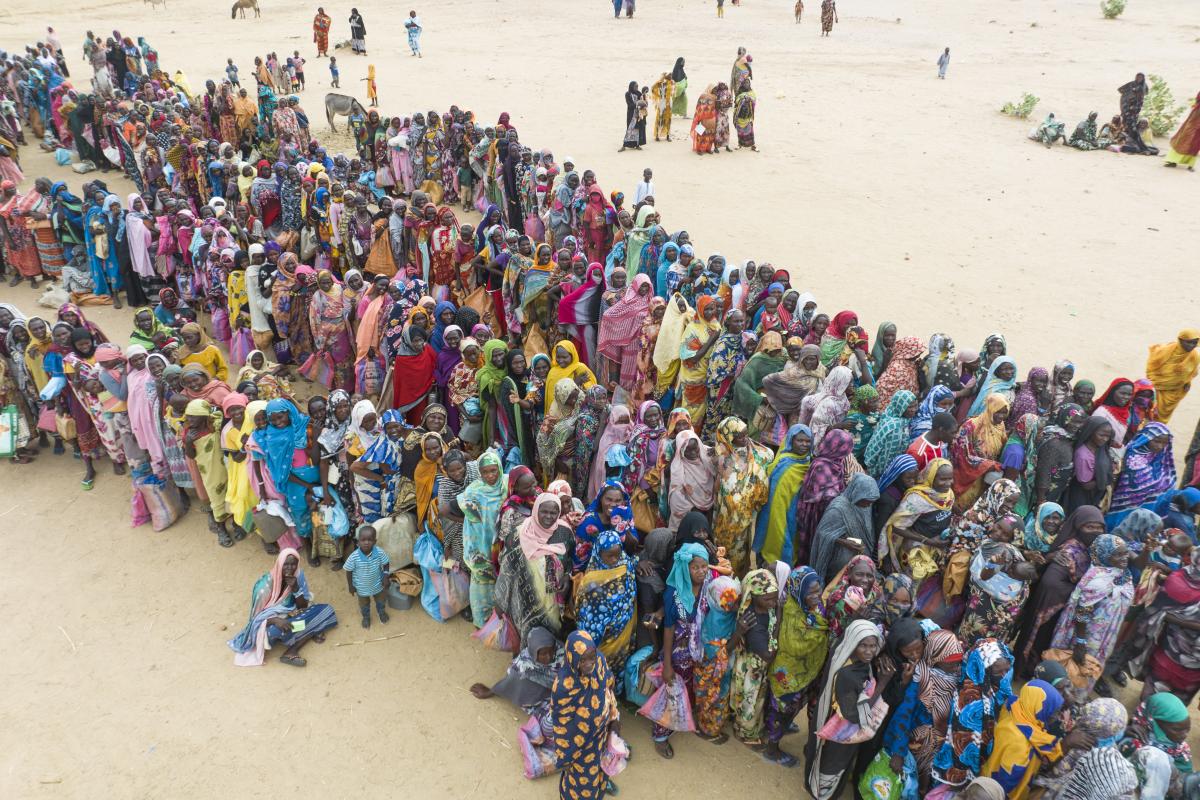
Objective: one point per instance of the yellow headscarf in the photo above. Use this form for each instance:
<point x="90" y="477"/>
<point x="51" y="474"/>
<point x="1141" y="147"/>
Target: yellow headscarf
<point x="670" y="333"/>
<point x="572" y="370"/>
<point x="990" y="435"/>
<point x="1169" y="366"/>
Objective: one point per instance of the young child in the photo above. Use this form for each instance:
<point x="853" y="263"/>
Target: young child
<point x="366" y="572"/>
<point x="231" y="72"/>
<point x="646" y="187"/>
<point x="1000" y="578"/>
<point x="298" y="62"/>
<point x="290" y="66"/>
<point x="333" y="71"/>
<point x="1167" y="552"/>
<point x="372" y="89"/>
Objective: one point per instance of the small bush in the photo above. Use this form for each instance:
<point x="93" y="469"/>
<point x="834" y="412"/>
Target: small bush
<point x="1160" y="109"/>
<point x="1111" y="9"/>
<point x="1022" y="109"/>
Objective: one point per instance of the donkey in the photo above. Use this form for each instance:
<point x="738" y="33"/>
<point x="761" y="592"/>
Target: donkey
<point x="341" y="105"/>
<point x="242" y="5"/>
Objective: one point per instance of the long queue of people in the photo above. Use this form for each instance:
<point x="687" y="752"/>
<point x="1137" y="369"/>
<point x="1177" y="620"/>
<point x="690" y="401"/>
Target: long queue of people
<point x="750" y="508"/>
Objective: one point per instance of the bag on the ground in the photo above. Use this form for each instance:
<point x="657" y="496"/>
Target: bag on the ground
<point x="396" y="536"/>
<point x="669" y="708"/>
<point x="879" y="782"/>
<point x="537" y="758"/>
<point x="162" y="501"/>
<point x="453" y="590"/>
<point x="138" y="513"/>
<point x="9" y="426"/>
<point x="428" y="553"/>
<point x="498" y="633"/>
<point x="269" y="526"/>
<point x="635" y="667"/>
<point x="408" y="580"/>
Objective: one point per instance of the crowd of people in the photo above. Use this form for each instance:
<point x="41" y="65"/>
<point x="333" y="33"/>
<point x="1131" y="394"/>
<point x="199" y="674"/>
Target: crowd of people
<point x="1127" y="131"/>
<point x="650" y="474"/>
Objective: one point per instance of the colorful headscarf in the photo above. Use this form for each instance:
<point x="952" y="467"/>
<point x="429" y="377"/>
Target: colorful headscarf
<point x="1036" y="536"/>
<point x="680" y="577"/>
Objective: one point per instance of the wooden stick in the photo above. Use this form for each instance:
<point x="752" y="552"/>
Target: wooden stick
<point x="368" y="641"/>
<point x="69" y="639"/>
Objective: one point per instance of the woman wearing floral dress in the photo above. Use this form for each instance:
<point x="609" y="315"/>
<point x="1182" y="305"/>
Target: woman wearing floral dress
<point x="741" y="490"/>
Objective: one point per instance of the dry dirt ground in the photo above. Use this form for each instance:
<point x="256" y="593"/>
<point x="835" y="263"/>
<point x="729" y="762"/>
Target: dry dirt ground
<point x="881" y="188"/>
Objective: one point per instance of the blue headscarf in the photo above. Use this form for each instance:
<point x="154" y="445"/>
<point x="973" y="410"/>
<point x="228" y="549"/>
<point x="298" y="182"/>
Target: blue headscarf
<point x="670" y="255"/>
<point x="923" y="421"/>
<point x="436" y="340"/>
<point x="1036" y="538"/>
<point x="993" y="385"/>
<point x="1173" y="517"/>
<point x="798" y="584"/>
<point x="280" y="443"/>
<point x="680" y="578"/>
<point x="895" y="468"/>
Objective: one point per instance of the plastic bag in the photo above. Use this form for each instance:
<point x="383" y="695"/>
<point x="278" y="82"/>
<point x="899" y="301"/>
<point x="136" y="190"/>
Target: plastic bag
<point x="615" y="756"/>
<point x="318" y="368"/>
<point x="428" y="553"/>
<point x="669" y="708"/>
<point x="537" y="759"/>
<point x="337" y="524"/>
<point x="138" y="513"/>
<point x="498" y="633"/>
<point x="879" y="782"/>
<point x="634" y="667"/>
<point x="9" y="427"/>
<point x="395" y="536"/>
<point x="453" y="589"/>
<point x="53" y="387"/>
<point x="240" y="346"/>
<point x="162" y="501"/>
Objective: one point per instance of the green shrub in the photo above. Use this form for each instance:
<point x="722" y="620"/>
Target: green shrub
<point x="1111" y="9"/>
<point x="1022" y="109"/>
<point x="1160" y="109"/>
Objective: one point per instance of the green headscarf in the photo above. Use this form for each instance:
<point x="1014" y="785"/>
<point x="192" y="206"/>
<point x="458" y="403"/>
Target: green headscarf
<point x="489" y="375"/>
<point x="880" y="355"/>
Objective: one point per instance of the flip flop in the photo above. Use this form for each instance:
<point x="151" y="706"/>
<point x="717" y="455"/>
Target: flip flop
<point x="293" y="661"/>
<point x="87" y="483"/>
<point x="785" y="760"/>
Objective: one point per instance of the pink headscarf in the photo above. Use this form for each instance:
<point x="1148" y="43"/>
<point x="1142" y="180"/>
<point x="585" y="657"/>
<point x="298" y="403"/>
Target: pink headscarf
<point x="535" y="540"/>
<point x="621" y="325"/>
<point x="142" y="404"/>
<point x="615" y="432"/>
<point x="254" y="657"/>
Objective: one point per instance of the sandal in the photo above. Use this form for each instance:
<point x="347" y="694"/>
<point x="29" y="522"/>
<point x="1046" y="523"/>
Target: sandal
<point x="223" y="538"/>
<point x="665" y="750"/>
<point x="318" y="638"/>
<point x="611" y="788"/>
<point x="785" y="759"/>
<point x="87" y="483"/>
<point x="294" y="661"/>
<point x="335" y="564"/>
<point x="720" y="738"/>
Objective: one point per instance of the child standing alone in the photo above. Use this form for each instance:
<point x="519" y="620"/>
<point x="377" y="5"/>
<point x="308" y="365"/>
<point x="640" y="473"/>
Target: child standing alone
<point x="333" y="71"/>
<point x="366" y="570"/>
<point x="372" y="89"/>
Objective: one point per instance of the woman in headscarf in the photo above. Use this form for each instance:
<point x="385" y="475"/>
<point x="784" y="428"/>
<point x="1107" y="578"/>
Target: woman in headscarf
<point x="1172" y="366"/>
<point x="586" y="438"/>
<point x="584" y="709"/>
<point x="902" y="371"/>
<point x="534" y="573"/>
<point x="579" y="313"/>
<point x="677" y="317"/>
<point x="1147" y="473"/>
<point x="199" y="349"/>
<point x="606" y="599"/>
<point x="612" y="449"/>
<point x="845" y="529"/>
<point x="609" y="511"/>
<point x="1054" y="457"/>
<point x="898" y="477"/>
<point x="1093" y="463"/>
<point x="1068" y="562"/>
<point x="1096" y="772"/>
<point x="684" y="605"/>
<point x="329" y="320"/>
<point x="449" y="357"/>
<point x="412" y="373"/>
<point x="699" y="339"/>
<point x="918" y="724"/>
<point x="742" y="486"/>
<point x="289" y="307"/>
<point x="567" y="365"/>
<point x="775" y="531"/>
<point x="829" y="405"/>
<point x="377" y="470"/>
<point x="479" y="502"/>
<point x="984" y="688"/>
<point x="803" y="647"/>
<point x="786" y="390"/>
<point x="645" y="443"/>
<point x="1092" y="617"/>
<point x="826" y="479"/>
<point x="1029" y="398"/>
<point x="754" y="645"/>
<point x="1042" y="527"/>
<point x="693" y="474"/>
<point x="529" y="678"/>
<point x="555" y="442"/>
<point x="863" y="417"/>
<point x="1023" y="738"/>
<point x="712" y="674"/>
<point x="970" y="529"/>
<point x="1156" y="743"/>
<point x="976" y="449"/>
<point x="621" y="328"/>
<point x="281" y="611"/>
<point x="891" y="435"/>
<point x="724" y="363"/>
<point x="1115" y="406"/>
<point x="999" y="584"/>
<point x="881" y="351"/>
<point x="852" y="691"/>
<point x="1001" y="378"/>
<point x="940" y="398"/>
<point x="283" y="446"/>
<point x="768" y="359"/>
<point x="833" y="340"/>
<point x="851" y="594"/>
<point x="267" y="377"/>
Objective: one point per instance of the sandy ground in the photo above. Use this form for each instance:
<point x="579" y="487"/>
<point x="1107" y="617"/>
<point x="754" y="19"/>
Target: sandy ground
<point x="880" y="187"/>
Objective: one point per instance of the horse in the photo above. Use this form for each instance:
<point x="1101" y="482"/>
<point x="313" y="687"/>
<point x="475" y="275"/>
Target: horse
<point x="242" y="5"/>
<point x="341" y="105"/>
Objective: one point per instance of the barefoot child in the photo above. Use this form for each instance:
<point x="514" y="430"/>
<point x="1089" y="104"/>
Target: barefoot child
<point x="334" y="73"/>
<point x="372" y="96"/>
<point x="366" y="571"/>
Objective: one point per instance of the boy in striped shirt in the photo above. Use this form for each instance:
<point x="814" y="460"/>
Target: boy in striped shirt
<point x="366" y="572"/>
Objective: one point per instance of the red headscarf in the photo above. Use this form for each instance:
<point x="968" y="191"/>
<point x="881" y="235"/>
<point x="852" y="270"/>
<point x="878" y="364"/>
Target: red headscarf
<point x="1119" y="413"/>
